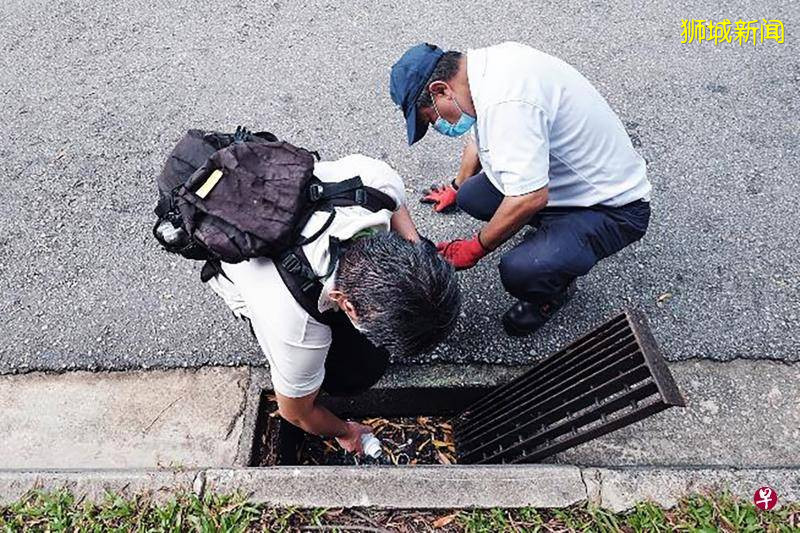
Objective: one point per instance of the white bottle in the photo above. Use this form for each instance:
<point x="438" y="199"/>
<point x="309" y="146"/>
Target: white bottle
<point x="371" y="445"/>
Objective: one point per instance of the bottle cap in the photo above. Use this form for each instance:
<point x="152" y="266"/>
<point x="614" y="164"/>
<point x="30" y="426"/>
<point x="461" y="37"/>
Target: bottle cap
<point x="371" y="445"/>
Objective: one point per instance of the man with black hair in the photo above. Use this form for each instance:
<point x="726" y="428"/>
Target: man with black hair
<point x="390" y="290"/>
<point x="546" y="150"/>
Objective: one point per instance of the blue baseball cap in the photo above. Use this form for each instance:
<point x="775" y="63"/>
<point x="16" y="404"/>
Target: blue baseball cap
<point x="408" y="79"/>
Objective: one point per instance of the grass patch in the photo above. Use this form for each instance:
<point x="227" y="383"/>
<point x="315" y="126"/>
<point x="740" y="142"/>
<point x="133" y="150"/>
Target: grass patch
<point x="60" y="511"/>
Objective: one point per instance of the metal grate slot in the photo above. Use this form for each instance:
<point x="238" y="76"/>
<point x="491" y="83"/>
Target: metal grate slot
<point x="603" y="364"/>
<point x="571" y="352"/>
<point x="563" y="363"/>
<point x="554" y="410"/>
<point x="608" y="379"/>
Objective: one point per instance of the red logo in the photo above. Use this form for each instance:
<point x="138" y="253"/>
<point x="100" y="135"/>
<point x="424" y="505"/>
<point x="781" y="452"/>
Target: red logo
<point x="765" y="498"/>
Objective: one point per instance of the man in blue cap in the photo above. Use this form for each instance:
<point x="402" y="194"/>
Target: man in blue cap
<point x="546" y="151"/>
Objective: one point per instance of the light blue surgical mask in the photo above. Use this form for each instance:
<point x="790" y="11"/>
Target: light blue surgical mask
<point x="465" y="122"/>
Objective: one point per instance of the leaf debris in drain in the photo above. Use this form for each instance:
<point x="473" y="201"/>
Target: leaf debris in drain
<point x="405" y="441"/>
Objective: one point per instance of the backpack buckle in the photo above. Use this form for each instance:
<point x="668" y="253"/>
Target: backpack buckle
<point x="315" y="191"/>
<point x="291" y="263"/>
<point x="361" y="196"/>
<point x="241" y="135"/>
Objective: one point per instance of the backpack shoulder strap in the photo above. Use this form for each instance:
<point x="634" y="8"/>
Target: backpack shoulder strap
<point x="303" y="283"/>
<point x="212" y="268"/>
<point x="326" y="196"/>
<point x="350" y="192"/>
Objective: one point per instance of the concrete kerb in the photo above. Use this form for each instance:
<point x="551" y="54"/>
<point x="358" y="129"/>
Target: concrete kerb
<point x="142" y="419"/>
<point x="232" y="427"/>
<point x="417" y="487"/>
<point x="258" y="382"/>
<point x="189" y="418"/>
<point x="94" y="485"/>
<point x="618" y="489"/>
<point x="434" y="487"/>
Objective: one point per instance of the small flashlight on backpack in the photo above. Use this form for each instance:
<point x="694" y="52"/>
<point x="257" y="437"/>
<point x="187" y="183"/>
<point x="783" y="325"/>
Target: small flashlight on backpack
<point x="170" y="235"/>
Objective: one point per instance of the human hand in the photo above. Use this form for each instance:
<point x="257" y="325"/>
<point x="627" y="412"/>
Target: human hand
<point x="351" y="441"/>
<point x="462" y="253"/>
<point x="443" y="197"/>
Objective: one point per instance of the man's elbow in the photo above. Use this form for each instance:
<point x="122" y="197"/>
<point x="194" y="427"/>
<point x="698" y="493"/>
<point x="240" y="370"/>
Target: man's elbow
<point x="297" y="420"/>
<point x="289" y="416"/>
<point x="534" y="201"/>
<point x="541" y="197"/>
<point x="297" y="415"/>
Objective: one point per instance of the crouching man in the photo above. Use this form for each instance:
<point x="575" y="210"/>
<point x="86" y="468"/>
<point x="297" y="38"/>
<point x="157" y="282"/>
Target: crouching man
<point x="547" y="151"/>
<point x="389" y="293"/>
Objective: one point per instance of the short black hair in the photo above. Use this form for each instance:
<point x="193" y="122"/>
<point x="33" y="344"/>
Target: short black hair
<point x="405" y="295"/>
<point x="445" y="69"/>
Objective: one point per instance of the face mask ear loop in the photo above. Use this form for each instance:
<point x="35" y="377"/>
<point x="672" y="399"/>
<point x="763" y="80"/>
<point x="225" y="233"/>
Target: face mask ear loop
<point x="433" y="101"/>
<point x="459" y="107"/>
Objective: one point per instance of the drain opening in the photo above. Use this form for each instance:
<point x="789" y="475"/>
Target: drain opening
<point x="609" y="378"/>
<point x="421" y="415"/>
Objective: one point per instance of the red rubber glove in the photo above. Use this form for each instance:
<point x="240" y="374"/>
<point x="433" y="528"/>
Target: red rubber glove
<point x="462" y="253"/>
<point x="442" y="197"/>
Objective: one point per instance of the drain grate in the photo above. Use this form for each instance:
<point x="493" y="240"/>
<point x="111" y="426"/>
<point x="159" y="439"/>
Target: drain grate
<point x="608" y="379"/>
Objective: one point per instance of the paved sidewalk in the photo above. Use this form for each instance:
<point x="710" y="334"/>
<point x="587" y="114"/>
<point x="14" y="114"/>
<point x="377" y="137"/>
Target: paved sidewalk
<point x="126" y="420"/>
<point x="164" y="432"/>
<point x="742" y="414"/>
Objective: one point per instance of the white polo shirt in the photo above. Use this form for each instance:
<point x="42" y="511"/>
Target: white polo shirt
<point x="540" y="122"/>
<point x="295" y="343"/>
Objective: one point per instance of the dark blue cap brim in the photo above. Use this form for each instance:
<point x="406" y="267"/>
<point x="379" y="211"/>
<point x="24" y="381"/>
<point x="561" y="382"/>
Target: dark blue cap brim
<point x="415" y="128"/>
<point x="408" y="77"/>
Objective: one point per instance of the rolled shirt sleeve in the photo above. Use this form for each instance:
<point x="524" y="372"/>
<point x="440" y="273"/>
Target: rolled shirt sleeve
<point x="517" y="140"/>
<point x="295" y="344"/>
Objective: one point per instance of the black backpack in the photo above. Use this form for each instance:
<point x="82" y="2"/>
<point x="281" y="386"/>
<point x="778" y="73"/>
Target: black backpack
<point x="232" y="197"/>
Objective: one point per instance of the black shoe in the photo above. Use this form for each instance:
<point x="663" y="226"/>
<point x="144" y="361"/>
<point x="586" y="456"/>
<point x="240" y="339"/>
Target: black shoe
<point x="525" y="317"/>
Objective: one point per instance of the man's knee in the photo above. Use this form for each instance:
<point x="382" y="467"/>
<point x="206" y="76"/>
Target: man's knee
<point x="470" y="205"/>
<point x="520" y="274"/>
<point x="473" y="198"/>
<point x="526" y="276"/>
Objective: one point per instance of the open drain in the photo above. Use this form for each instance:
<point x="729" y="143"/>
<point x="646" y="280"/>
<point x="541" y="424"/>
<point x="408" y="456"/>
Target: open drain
<point x="422" y="440"/>
<point x="608" y="379"/>
<point x="413" y="423"/>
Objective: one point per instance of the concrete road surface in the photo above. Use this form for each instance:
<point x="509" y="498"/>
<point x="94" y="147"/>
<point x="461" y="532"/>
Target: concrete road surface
<point x="93" y="95"/>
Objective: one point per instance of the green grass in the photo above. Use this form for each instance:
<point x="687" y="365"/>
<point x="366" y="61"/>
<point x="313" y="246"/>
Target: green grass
<point x="60" y="511"/>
